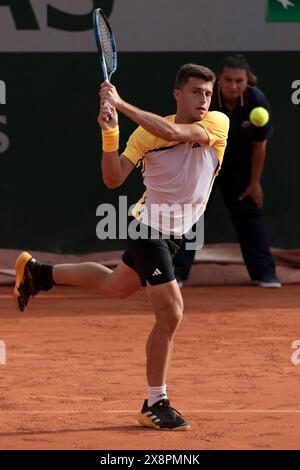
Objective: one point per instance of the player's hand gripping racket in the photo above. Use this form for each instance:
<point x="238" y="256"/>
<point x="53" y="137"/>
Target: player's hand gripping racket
<point x="106" y="45"/>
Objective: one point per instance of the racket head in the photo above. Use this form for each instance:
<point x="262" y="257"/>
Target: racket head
<point x="106" y="43"/>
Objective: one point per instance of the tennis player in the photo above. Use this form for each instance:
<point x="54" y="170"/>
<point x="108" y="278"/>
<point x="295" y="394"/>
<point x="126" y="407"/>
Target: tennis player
<point x="180" y="156"/>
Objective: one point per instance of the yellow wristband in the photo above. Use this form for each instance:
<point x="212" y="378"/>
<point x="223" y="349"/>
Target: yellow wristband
<point x="110" y="139"/>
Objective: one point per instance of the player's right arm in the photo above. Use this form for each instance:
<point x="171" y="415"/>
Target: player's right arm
<point x="156" y="125"/>
<point x="115" y="168"/>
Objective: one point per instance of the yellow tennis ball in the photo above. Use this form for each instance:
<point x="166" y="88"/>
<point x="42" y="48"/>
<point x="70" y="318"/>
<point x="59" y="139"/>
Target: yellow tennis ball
<point x="259" y="116"/>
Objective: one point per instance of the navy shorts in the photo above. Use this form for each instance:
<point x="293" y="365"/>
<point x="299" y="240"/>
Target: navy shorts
<point x="152" y="257"/>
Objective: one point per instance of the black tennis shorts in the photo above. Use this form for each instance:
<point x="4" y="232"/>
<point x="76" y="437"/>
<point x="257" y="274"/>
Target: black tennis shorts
<point x="152" y="257"/>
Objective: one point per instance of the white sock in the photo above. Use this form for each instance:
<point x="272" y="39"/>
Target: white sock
<point x="156" y="394"/>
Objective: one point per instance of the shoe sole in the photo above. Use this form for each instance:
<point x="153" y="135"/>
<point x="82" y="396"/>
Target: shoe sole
<point x="21" y="263"/>
<point x="147" y="422"/>
<point x="269" y="285"/>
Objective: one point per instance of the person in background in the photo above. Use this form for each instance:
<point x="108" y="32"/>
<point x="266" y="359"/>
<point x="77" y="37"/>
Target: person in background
<point x="236" y="94"/>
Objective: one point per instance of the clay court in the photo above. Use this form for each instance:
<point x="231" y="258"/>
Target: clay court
<point x="74" y="377"/>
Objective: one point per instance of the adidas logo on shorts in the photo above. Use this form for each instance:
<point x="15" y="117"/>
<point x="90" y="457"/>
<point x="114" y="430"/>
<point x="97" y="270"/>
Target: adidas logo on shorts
<point x="156" y="272"/>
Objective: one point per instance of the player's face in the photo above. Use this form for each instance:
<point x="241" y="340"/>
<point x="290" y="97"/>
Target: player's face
<point x="233" y="83"/>
<point x="193" y="100"/>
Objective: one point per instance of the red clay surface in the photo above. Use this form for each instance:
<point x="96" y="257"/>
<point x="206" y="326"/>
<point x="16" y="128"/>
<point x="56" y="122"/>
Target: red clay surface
<point x="75" y="371"/>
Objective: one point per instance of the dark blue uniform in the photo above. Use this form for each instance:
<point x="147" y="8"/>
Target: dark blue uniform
<point x="233" y="180"/>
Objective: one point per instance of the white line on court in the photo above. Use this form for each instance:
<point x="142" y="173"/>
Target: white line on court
<point x="136" y="411"/>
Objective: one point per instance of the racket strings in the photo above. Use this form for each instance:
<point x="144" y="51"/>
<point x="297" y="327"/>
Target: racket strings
<point x="106" y="45"/>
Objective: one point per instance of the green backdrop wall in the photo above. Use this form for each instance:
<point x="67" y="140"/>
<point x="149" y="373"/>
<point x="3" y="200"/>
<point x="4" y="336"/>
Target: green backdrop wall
<point x="50" y="179"/>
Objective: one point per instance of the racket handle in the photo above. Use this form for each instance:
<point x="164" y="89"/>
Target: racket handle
<point x="105" y="76"/>
<point x="108" y="115"/>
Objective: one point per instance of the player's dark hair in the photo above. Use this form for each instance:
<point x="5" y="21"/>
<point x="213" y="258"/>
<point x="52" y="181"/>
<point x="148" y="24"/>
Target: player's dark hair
<point x="238" y="61"/>
<point x="192" y="70"/>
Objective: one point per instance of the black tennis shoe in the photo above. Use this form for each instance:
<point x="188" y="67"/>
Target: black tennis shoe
<point x="162" y="416"/>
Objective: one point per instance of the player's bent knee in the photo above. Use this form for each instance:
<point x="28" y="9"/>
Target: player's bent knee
<point x="169" y="317"/>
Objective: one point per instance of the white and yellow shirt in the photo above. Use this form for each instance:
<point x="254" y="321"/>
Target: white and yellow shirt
<point x="178" y="175"/>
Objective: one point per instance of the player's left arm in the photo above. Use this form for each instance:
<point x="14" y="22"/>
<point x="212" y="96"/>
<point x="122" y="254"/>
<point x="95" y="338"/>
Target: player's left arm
<point x="261" y="135"/>
<point x="156" y="125"/>
<point x="258" y="160"/>
<point x="254" y="190"/>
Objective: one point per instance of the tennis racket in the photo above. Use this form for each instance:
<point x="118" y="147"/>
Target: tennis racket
<point x="106" y="45"/>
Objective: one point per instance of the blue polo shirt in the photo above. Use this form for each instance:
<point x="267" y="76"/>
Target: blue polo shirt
<point x="242" y="133"/>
